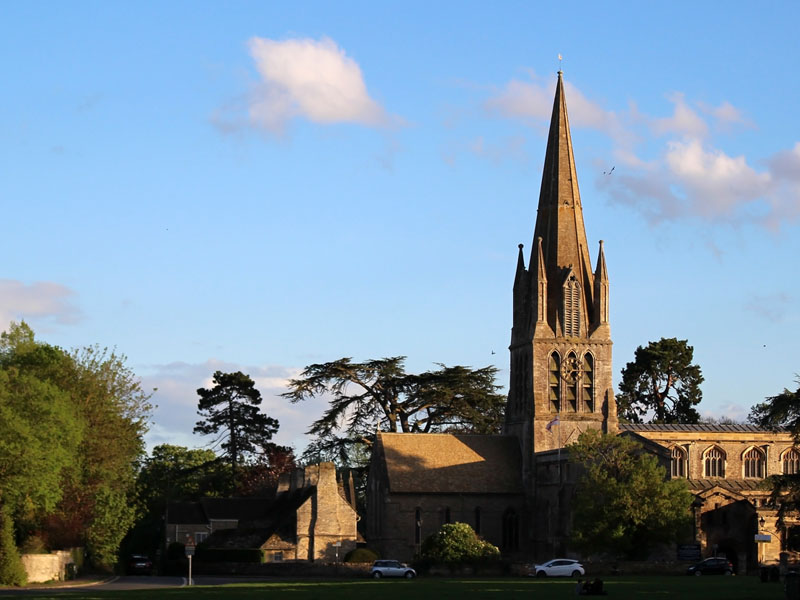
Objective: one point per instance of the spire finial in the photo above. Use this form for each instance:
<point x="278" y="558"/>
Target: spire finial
<point x="521" y="246"/>
<point x="560" y="58"/>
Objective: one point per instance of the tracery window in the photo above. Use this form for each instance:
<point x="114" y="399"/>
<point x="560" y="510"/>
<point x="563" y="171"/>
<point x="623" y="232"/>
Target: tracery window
<point x="714" y="462"/>
<point x="417" y="525"/>
<point x="791" y="462"/>
<point x="554" y="380"/>
<point x="678" y="462"/>
<point x="588" y="383"/>
<point x="754" y="462"/>
<point x="572" y="307"/>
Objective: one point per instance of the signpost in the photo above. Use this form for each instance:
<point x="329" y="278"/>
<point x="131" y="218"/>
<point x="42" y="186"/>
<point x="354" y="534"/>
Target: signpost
<point x="189" y="547"/>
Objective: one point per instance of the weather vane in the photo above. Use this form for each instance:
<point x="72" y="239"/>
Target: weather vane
<point x="560" y="58"/>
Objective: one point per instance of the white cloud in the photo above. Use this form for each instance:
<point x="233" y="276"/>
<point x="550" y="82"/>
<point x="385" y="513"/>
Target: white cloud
<point x="176" y="401"/>
<point x="534" y="100"/>
<point x="684" y="121"/>
<point x="304" y="78"/>
<point x="39" y="302"/>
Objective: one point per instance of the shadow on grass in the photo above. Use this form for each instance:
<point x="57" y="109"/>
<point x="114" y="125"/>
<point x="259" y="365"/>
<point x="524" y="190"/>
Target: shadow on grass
<point x="619" y="588"/>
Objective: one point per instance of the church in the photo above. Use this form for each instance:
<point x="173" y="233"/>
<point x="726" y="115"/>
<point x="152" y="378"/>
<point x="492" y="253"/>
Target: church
<point x="516" y="489"/>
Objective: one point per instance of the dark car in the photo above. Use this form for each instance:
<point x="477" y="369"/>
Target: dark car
<point x="139" y="564"/>
<point x="712" y="566"/>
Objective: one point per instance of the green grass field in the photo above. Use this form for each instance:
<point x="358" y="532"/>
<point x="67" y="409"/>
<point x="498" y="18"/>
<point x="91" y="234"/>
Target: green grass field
<point x="619" y="588"/>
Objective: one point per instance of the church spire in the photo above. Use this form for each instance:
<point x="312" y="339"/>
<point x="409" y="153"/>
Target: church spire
<point x="559" y="221"/>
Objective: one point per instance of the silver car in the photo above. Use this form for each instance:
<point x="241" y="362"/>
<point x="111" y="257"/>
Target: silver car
<point x="391" y="568"/>
<point x="558" y="567"/>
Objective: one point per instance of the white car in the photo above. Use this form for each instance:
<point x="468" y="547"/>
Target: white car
<point x="558" y="567"/>
<point x="391" y="568"/>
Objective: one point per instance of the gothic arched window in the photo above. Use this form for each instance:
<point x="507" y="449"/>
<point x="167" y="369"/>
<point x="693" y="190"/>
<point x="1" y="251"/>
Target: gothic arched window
<point x="754" y="462"/>
<point x="588" y="383"/>
<point x="678" y="462"/>
<point x="417" y="525"/>
<point x="572" y="307"/>
<point x="791" y="462"/>
<point x="714" y="462"/>
<point x="554" y="380"/>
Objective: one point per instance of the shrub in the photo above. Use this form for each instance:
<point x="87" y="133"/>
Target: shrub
<point x="34" y="545"/>
<point x="457" y="543"/>
<point x="11" y="570"/>
<point x="176" y="551"/>
<point x="361" y="555"/>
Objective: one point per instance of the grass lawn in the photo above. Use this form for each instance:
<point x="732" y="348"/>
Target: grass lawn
<point x="619" y="588"/>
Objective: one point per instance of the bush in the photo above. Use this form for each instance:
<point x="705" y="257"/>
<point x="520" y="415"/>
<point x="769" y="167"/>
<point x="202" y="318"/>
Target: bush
<point x="457" y="543"/>
<point x="34" y="545"/>
<point x="361" y="555"/>
<point x="11" y="570"/>
<point x="176" y="551"/>
<point x="240" y="555"/>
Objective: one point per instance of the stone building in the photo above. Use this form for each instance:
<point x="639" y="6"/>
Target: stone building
<point x="561" y="385"/>
<point x="312" y="517"/>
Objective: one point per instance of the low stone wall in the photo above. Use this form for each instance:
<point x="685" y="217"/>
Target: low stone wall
<point x="283" y="569"/>
<point x="47" y="567"/>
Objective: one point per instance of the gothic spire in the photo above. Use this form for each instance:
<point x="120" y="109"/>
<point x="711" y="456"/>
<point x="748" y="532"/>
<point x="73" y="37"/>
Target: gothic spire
<point x="559" y="221"/>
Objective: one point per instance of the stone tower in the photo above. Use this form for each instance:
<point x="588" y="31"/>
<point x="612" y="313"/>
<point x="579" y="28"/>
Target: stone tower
<point x="560" y="340"/>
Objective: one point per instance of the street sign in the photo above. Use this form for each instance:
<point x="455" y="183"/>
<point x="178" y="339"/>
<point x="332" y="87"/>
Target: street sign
<point x="190" y="550"/>
<point x="763" y="538"/>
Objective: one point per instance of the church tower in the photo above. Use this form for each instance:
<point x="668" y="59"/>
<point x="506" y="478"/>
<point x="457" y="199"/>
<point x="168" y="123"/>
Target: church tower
<point x="560" y="340"/>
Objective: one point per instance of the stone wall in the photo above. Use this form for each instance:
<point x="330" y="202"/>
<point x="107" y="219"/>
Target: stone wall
<point x="47" y="567"/>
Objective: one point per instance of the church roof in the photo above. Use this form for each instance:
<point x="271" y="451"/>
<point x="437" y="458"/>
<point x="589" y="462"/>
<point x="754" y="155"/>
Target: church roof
<point x="452" y="463"/>
<point x="692" y="427"/>
<point x="734" y="485"/>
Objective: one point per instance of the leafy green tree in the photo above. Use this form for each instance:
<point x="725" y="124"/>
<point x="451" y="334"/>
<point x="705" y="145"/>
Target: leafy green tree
<point x="230" y="412"/>
<point x="623" y="503"/>
<point x="11" y="570"/>
<point x="380" y="394"/>
<point x="113" y="517"/>
<point x="661" y="383"/>
<point x="111" y="410"/>
<point x="39" y="438"/>
<point x="457" y="543"/>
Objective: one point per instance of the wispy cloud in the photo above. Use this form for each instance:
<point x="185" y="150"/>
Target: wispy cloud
<point x="176" y="400"/>
<point x="41" y="302"/>
<point x="773" y="307"/>
<point x="303" y="78"/>
<point x="671" y="167"/>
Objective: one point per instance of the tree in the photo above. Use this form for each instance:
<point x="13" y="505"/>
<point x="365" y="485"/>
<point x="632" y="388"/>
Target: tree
<point x="661" y="383"/>
<point x="779" y="413"/>
<point x="782" y="413"/>
<point x="260" y="477"/>
<point x="623" y="503"/>
<point x="230" y="411"/>
<point x="11" y="570"/>
<point x="380" y="394"/>
<point x="104" y="415"/>
<point x="457" y="543"/>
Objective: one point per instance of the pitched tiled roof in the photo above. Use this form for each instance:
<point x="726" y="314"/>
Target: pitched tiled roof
<point x="702" y="427"/>
<point x="735" y="485"/>
<point x="452" y="463"/>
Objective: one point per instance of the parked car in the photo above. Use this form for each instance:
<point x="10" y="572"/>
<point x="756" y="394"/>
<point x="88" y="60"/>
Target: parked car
<point x="558" y="567"/>
<point x="718" y="565"/>
<point x="139" y="564"/>
<point x="391" y="568"/>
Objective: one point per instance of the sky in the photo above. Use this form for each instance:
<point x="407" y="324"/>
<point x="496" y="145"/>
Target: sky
<point x="260" y="186"/>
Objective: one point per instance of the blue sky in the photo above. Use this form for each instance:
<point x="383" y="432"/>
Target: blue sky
<point x="258" y="186"/>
